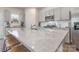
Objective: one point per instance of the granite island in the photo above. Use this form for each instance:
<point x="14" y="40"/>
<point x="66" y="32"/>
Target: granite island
<point x="41" y="40"/>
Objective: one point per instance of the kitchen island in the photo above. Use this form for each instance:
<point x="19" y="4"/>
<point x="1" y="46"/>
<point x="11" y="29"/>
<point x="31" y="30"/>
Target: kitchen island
<point x="41" y="40"/>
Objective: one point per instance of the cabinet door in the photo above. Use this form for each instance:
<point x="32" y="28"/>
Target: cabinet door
<point x="64" y="13"/>
<point x="57" y="13"/>
<point x="51" y="12"/>
<point x="42" y="16"/>
<point x="47" y="13"/>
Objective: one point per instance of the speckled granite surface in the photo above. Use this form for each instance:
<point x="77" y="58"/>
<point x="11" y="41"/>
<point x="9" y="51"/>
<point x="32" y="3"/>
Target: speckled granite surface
<point x="43" y="40"/>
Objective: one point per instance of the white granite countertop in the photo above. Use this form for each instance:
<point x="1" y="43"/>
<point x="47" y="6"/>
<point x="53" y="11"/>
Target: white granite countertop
<point x="42" y="40"/>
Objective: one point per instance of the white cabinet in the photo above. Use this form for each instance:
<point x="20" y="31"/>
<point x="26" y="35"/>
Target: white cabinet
<point x="57" y="13"/>
<point x="51" y="12"/>
<point x="42" y="18"/>
<point x="49" y="15"/>
<point x="61" y="13"/>
<point x="64" y="13"/>
<point x="45" y="12"/>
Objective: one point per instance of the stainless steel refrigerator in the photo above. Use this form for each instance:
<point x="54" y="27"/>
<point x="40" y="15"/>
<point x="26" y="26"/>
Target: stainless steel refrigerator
<point x="75" y="31"/>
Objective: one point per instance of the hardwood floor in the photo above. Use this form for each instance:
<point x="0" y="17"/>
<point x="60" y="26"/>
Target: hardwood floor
<point x="13" y="45"/>
<point x="19" y="48"/>
<point x="70" y="48"/>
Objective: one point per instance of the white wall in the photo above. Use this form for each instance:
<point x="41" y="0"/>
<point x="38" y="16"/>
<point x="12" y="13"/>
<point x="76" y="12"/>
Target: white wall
<point x="31" y="17"/>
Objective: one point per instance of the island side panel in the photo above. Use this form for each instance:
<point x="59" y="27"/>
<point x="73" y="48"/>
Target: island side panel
<point x="61" y="47"/>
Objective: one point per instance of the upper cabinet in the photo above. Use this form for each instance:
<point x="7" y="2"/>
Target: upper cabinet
<point x="61" y="13"/>
<point x="75" y="12"/>
<point x="65" y="13"/>
<point x="57" y="13"/>
<point x="47" y="13"/>
<point x="51" y="12"/>
<point x="42" y="16"/>
<point x="49" y="16"/>
<point x="44" y="13"/>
